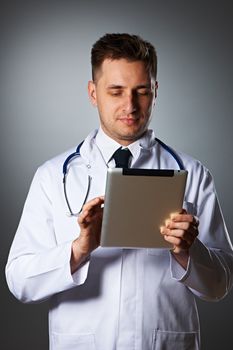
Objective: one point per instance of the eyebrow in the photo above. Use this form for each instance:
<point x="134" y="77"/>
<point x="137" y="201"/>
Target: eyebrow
<point x="115" y="87"/>
<point x="142" y="86"/>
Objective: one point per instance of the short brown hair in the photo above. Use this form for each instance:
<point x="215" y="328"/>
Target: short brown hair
<point x="122" y="45"/>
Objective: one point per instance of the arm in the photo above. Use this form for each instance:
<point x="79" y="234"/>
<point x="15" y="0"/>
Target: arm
<point x="90" y="222"/>
<point x="204" y="263"/>
<point x="39" y="266"/>
<point x="181" y="230"/>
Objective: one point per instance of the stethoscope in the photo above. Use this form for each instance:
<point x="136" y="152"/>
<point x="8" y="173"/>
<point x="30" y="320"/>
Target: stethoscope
<point x="77" y="154"/>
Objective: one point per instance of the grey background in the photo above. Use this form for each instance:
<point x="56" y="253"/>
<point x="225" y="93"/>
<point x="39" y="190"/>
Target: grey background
<point x="44" y="69"/>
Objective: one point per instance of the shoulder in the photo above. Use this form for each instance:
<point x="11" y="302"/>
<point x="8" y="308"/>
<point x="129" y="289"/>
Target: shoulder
<point x="197" y="171"/>
<point x="55" y="164"/>
<point x="193" y="165"/>
<point x="189" y="162"/>
<point x="199" y="178"/>
<point x="84" y="146"/>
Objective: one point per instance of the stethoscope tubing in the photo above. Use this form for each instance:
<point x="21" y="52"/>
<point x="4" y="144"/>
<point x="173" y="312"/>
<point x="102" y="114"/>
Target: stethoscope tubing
<point x="77" y="154"/>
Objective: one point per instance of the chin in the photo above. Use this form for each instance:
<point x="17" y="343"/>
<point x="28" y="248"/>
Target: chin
<point x="133" y="136"/>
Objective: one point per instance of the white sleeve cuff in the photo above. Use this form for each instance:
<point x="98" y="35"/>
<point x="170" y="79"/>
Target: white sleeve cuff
<point x="177" y="271"/>
<point x="80" y="275"/>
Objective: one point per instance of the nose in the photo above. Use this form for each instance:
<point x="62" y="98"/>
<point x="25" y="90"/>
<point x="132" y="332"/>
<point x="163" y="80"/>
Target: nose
<point x="129" y="106"/>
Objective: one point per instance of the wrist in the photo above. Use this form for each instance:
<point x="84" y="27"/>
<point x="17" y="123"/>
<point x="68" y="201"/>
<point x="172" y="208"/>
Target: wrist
<point x="78" y="255"/>
<point x="181" y="256"/>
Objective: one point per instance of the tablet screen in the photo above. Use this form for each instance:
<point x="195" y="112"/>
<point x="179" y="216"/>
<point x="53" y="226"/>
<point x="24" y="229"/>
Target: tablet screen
<point x="137" y="202"/>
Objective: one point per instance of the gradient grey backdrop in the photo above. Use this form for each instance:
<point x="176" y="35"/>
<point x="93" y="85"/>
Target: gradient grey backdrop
<point x="45" y="54"/>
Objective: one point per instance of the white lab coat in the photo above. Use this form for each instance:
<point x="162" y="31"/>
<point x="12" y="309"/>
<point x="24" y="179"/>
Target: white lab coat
<point x="120" y="299"/>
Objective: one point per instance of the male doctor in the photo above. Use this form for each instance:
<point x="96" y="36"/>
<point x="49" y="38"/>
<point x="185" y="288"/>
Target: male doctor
<point x="111" y="298"/>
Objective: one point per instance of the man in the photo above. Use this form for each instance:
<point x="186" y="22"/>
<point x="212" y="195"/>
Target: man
<point x="110" y="298"/>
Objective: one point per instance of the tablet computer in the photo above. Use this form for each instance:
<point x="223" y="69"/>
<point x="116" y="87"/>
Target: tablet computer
<point x="137" y="203"/>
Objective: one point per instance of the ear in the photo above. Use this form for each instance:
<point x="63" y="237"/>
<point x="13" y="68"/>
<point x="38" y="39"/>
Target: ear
<point x="155" y="92"/>
<point x="92" y="93"/>
<point x="156" y="88"/>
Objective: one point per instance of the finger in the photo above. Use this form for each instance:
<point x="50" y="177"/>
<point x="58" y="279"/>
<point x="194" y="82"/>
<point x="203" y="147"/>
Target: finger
<point x="90" y="214"/>
<point x="181" y="234"/>
<point x="177" y="242"/>
<point x="98" y="201"/>
<point x="188" y="236"/>
<point x="181" y="217"/>
<point x="83" y="217"/>
<point x="185" y="218"/>
<point x="195" y="219"/>
<point x="184" y="225"/>
<point x="183" y="211"/>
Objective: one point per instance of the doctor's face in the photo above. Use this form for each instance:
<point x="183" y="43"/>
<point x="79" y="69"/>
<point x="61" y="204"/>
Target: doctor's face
<point x="124" y="93"/>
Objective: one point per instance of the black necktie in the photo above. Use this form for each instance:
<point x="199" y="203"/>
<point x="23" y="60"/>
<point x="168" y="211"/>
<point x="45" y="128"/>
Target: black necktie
<point x="121" y="157"/>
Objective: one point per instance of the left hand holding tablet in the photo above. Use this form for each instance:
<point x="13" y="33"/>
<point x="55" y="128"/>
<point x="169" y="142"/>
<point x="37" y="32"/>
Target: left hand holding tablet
<point x="181" y="230"/>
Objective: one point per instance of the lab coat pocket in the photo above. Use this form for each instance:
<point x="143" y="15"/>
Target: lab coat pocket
<point x="165" y="340"/>
<point x="73" y="341"/>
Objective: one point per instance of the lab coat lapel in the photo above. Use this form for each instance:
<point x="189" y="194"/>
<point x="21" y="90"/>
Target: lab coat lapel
<point x="95" y="164"/>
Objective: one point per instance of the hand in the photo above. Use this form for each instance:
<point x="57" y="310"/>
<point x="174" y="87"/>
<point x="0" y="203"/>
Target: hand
<point x="90" y="221"/>
<point x="180" y="230"/>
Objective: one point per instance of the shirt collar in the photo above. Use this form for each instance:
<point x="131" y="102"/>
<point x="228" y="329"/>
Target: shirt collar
<point x="108" y="146"/>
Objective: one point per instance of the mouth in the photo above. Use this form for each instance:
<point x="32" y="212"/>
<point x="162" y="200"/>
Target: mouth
<point x="129" y="120"/>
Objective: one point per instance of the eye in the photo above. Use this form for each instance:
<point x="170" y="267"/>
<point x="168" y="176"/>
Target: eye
<point x="115" y="93"/>
<point x="143" y="92"/>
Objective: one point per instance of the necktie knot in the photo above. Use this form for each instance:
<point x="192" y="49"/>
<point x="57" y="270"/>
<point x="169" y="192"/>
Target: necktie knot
<point x="121" y="157"/>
